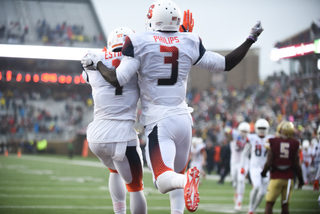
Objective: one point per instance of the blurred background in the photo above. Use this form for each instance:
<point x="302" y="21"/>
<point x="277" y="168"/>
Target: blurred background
<point x="45" y="106"/>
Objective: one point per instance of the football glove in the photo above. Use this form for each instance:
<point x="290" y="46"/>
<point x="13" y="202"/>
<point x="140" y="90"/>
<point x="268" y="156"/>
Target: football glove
<point x="255" y="32"/>
<point x="90" y="61"/>
<point x="316" y="185"/>
<point x="188" y="22"/>
<point x="242" y="171"/>
<point x="263" y="174"/>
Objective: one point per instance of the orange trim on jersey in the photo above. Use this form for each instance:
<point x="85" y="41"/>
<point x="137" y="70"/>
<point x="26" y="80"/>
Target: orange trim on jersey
<point x="113" y="170"/>
<point x="117" y="45"/>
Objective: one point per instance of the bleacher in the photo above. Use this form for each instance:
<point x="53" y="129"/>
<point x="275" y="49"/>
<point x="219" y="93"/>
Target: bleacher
<point x="31" y="13"/>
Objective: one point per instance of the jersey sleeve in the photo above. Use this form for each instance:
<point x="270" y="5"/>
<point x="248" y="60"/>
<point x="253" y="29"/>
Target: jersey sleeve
<point x="211" y="61"/>
<point x="85" y="76"/>
<point x="127" y="68"/>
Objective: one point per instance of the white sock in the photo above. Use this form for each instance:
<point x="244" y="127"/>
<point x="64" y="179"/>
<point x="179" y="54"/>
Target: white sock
<point x="138" y="203"/>
<point x="177" y="201"/>
<point x="117" y="191"/>
<point x="170" y="180"/>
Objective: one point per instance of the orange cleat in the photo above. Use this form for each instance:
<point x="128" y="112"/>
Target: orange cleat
<point x="191" y="194"/>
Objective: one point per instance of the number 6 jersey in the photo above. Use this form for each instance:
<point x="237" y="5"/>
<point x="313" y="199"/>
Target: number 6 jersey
<point x="164" y="60"/>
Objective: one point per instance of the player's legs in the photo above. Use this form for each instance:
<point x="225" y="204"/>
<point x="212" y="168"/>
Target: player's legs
<point x="125" y="159"/>
<point x="286" y="195"/>
<point x="275" y="188"/>
<point x="256" y="183"/>
<point x="234" y="167"/>
<point x="240" y="188"/>
<point x="117" y="191"/>
<point x="261" y="193"/>
<point x="269" y="207"/>
<point x="167" y="153"/>
<point x="305" y="172"/>
<point x="117" y="187"/>
<point x="131" y="171"/>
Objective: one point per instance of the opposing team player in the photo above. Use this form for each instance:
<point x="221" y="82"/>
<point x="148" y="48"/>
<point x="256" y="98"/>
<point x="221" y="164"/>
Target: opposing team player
<point x="111" y="134"/>
<point x="239" y="140"/>
<point x="163" y="58"/>
<point x="282" y="161"/>
<point x="256" y="147"/>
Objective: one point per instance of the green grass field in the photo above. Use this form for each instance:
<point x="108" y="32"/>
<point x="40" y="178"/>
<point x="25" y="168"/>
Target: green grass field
<point x="54" y="184"/>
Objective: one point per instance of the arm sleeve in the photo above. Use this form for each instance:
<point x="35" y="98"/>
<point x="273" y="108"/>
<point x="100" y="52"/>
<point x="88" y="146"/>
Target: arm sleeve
<point x="127" y="68"/>
<point x="85" y="76"/>
<point x="245" y="154"/>
<point x="234" y="57"/>
<point x="211" y="61"/>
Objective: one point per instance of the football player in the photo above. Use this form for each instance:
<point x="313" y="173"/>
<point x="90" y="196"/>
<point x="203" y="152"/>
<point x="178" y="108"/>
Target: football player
<point x="316" y="159"/>
<point x="239" y="140"/>
<point x="111" y="134"/>
<point x="163" y="58"/>
<point x="282" y="161"/>
<point x="306" y="159"/>
<point x="256" y="147"/>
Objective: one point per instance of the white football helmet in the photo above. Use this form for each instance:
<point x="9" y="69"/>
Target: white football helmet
<point x="163" y="15"/>
<point x="261" y="127"/>
<point x="305" y="144"/>
<point x="117" y="37"/>
<point x="318" y="133"/>
<point x="244" y="129"/>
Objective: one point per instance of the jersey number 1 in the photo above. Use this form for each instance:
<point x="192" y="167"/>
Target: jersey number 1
<point x="173" y="60"/>
<point x="116" y="63"/>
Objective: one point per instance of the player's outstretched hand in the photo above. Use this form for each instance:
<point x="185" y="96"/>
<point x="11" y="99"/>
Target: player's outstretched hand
<point x="263" y="174"/>
<point x="188" y="22"/>
<point x="90" y="61"/>
<point x="256" y="30"/>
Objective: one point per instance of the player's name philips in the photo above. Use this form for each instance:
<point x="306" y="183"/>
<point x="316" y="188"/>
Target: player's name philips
<point x="166" y="40"/>
<point x="109" y="55"/>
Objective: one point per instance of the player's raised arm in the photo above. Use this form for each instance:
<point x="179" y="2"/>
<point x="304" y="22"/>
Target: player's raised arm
<point x="234" y="57"/>
<point x="93" y="62"/>
<point x="188" y="22"/>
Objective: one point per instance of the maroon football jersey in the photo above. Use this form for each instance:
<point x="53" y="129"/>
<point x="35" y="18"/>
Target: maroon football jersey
<point x="284" y="151"/>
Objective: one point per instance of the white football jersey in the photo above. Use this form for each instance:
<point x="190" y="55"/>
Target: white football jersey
<point x="258" y="150"/>
<point x="165" y="61"/>
<point x="307" y="155"/>
<point x="109" y="102"/>
<point x="236" y="145"/>
<point x="316" y="153"/>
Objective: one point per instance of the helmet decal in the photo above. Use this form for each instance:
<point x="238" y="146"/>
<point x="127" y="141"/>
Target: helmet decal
<point x="149" y="14"/>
